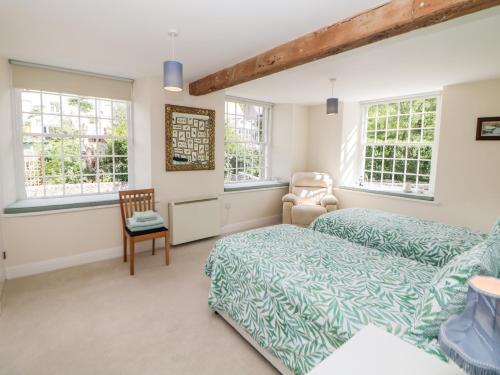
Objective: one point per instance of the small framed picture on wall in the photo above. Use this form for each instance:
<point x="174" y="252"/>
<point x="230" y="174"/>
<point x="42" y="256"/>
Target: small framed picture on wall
<point x="488" y="129"/>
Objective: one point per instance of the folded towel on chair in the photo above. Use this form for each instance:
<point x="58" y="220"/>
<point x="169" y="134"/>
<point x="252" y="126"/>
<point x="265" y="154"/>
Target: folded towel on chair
<point x="135" y="225"/>
<point x="148" y="227"/>
<point x="145" y="215"/>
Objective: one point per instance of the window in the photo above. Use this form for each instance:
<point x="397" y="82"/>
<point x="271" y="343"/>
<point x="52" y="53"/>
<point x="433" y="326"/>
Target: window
<point x="247" y="127"/>
<point x="399" y="142"/>
<point x="73" y="145"/>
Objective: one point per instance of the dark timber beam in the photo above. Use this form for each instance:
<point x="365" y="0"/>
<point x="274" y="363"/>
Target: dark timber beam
<point x="393" y="18"/>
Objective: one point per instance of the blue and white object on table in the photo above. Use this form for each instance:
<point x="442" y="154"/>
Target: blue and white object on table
<point x="472" y="339"/>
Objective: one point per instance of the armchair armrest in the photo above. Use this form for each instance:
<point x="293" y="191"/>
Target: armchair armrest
<point x="329" y="200"/>
<point x="292" y="198"/>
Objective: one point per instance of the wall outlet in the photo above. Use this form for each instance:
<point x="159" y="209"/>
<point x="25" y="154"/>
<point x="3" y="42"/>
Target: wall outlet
<point x="227" y="206"/>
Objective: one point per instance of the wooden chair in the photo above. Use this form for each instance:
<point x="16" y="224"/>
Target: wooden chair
<point x="140" y="200"/>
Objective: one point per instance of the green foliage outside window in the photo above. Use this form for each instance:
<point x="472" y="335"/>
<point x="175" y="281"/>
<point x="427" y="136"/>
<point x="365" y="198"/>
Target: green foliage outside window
<point x="69" y="138"/>
<point x="399" y="141"/>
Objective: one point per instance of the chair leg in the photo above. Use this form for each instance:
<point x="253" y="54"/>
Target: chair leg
<point x="132" y="255"/>
<point x="125" y="248"/>
<point x="153" y="246"/>
<point x="167" y="249"/>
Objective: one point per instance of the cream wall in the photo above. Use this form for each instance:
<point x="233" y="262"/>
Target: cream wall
<point x="78" y="235"/>
<point x="180" y="185"/>
<point x="251" y="208"/>
<point x="7" y="187"/>
<point x="281" y="160"/>
<point x="141" y="148"/>
<point x="2" y="265"/>
<point x="39" y="237"/>
<point x="467" y="191"/>
<point x="288" y="140"/>
<point x="303" y="138"/>
<point x="324" y="141"/>
<point x="299" y="138"/>
<point x="7" y="172"/>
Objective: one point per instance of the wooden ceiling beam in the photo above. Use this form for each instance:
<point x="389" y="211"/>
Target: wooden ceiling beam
<point x="393" y="18"/>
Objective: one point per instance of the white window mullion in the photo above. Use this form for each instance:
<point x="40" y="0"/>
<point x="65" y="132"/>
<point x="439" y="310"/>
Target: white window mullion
<point x="371" y="138"/>
<point x="46" y="139"/>
<point x="255" y="154"/>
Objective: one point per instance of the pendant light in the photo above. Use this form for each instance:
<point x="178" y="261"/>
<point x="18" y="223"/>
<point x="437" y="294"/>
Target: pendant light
<point x="332" y="104"/>
<point x="172" y="70"/>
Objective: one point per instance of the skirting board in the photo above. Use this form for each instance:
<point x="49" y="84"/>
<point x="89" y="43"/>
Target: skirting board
<point x="250" y="224"/>
<point x="48" y="265"/>
<point x="275" y="362"/>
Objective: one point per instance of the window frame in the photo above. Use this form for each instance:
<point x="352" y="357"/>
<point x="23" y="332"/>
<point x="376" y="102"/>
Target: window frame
<point x="19" y="145"/>
<point x="267" y="131"/>
<point x="363" y="141"/>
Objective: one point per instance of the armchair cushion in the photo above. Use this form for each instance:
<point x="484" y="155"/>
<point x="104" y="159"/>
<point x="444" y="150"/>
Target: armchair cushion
<point x="309" y="195"/>
<point x="329" y="200"/>
<point x="292" y="198"/>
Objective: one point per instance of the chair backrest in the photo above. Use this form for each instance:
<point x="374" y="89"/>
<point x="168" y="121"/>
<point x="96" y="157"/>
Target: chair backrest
<point x="136" y="200"/>
<point x="310" y="187"/>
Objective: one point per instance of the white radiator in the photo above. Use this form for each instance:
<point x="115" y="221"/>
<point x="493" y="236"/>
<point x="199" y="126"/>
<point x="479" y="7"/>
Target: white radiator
<point x="193" y="219"/>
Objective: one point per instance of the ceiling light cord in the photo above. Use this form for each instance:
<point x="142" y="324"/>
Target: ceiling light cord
<point x="172" y="33"/>
<point x="332" y="81"/>
<point x="172" y="47"/>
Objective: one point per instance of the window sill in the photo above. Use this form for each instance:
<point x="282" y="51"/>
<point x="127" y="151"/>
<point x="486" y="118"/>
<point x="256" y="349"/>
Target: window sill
<point x="64" y="203"/>
<point x="243" y="186"/>
<point x="399" y="194"/>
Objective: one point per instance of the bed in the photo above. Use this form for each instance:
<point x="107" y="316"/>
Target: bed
<point x="300" y="294"/>
<point x="425" y="241"/>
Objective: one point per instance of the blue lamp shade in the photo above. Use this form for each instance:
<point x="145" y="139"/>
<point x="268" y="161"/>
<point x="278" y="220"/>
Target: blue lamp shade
<point x="332" y="106"/>
<point x="172" y="76"/>
<point x="472" y="339"/>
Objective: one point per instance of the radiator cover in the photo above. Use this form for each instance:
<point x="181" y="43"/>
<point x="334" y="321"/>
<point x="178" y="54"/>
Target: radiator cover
<point x="194" y="219"/>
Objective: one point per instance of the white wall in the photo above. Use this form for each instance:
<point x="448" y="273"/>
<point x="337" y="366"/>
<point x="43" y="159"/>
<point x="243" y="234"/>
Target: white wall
<point x="324" y="141"/>
<point x="299" y="139"/>
<point x="467" y="191"/>
<point x="179" y="185"/>
<point x="7" y="186"/>
<point x="7" y="173"/>
<point x="281" y="139"/>
<point x="467" y="188"/>
<point x="141" y="97"/>
<point x="251" y="208"/>
<point x="288" y="155"/>
<point x="468" y="182"/>
<point x="79" y="234"/>
<point x="289" y="140"/>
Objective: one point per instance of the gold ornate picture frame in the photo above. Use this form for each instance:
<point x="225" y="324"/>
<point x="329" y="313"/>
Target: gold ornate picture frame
<point x="190" y="138"/>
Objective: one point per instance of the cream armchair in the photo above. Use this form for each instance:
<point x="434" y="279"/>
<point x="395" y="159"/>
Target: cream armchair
<point x="310" y="196"/>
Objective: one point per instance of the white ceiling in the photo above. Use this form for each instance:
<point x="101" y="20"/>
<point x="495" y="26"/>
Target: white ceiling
<point x="465" y="49"/>
<point x="129" y="37"/>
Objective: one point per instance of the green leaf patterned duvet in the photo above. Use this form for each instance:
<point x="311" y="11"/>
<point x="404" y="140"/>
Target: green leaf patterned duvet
<point x="301" y="294"/>
<point x="426" y="241"/>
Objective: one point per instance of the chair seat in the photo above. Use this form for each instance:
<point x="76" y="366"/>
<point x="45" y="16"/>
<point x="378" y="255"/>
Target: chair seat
<point x="142" y="232"/>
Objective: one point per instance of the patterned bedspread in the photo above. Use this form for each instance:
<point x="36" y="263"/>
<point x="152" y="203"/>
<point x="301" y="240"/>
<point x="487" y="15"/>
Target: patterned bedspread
<point x="426" y="241"/>
<point x="301" y="294"/>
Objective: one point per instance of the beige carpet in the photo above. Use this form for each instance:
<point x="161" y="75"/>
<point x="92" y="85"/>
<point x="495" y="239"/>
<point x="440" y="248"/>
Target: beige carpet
<point x="96" y="319"/>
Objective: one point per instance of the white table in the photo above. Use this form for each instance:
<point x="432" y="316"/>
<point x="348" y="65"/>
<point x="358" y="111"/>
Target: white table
<point x="374" y="351"/>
